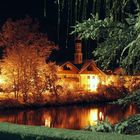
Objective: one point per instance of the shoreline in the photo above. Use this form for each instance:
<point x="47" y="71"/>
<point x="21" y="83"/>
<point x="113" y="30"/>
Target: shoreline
<point x="99" y="99"/>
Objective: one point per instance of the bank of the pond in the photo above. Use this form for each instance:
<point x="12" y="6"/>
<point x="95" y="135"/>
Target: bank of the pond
<point x="73" y="99"/>
<point x="21" y="132"/>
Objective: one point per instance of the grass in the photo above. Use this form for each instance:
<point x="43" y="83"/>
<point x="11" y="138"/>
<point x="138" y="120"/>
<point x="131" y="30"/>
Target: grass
<point x="21" y="132"/>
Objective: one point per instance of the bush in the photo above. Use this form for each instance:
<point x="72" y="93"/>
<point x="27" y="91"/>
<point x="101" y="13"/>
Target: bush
<point x="102" y="126"/>
<point x="10" y="103"/>
<point x="129" y="126"/>
<point x="134" y="98"/>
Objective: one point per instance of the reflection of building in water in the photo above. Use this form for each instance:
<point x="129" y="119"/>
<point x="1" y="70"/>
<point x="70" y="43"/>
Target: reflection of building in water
<point x="115" y="113"/>
<point x="93" y="116"/>
<point x="48" y="121"/>
<point x="101" y="116"/>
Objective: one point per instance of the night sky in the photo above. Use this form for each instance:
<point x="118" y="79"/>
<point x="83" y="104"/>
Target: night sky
<point x="16" y="9"/>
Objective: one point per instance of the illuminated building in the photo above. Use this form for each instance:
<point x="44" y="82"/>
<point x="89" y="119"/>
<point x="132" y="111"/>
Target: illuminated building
<point x="83" y="74"/>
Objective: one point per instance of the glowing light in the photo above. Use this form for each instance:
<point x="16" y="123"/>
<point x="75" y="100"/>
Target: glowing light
<point x="101" y="116"/>
<point x="112" y="80"/>
<point x="2" y="80"/>
<point x="93" y="83"/>
<point x="48" y="121"/>
<point x="93" y="116"/>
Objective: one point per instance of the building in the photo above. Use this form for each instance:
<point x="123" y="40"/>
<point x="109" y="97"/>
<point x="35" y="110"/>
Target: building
<point x="83" y="74"/>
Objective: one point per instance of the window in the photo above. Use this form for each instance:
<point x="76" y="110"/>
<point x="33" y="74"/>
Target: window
<point x="66" y="67"/>
<point x="88" y="77"/>
<point x="93" y="77"/>
<point x="89" y="68"/>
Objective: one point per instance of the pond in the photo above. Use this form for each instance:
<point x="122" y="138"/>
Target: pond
<point x="71" y="117"/>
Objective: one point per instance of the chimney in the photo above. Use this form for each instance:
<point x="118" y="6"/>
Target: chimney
<point x="78" y="56"/>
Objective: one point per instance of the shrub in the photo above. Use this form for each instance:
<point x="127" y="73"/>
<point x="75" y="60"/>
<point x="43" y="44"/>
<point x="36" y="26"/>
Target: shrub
<point x="134" y="98"/>
<point x="102" y="126"/>
<point x="129" y="126"/>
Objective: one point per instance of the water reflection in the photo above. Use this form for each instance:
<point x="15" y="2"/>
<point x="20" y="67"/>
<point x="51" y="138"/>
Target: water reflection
<point x="93" y="116"/>
<point x="72" y="117"/>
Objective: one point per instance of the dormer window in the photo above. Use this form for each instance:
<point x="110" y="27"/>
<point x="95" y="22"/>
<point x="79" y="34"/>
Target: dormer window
<point x="66" y="67"/>
<point x="89" y="68"/>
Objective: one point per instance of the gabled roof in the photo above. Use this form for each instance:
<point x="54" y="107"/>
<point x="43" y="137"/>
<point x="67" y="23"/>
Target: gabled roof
<point x="86" y="64"/>
<point x="83" y="66"/>
<point x="74" y="69"/>
<point x="68" y="62"/>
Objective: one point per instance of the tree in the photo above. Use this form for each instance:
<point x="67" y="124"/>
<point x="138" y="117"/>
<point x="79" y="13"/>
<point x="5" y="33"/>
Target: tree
<point x="26" y="51"/>
<point x="131" y="53"/>
<point x="114" y="37"/>
<point x="51" y="78"/>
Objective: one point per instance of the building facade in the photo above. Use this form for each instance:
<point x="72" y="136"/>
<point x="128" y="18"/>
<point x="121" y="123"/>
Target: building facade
<point x="83" y="74"/>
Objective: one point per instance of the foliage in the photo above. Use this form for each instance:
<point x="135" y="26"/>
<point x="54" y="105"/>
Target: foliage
<point x="102" y="126"/>
<point x="113" y="47"/>
<point x="129" y="126"/>
<point x="71" y="11"/>
<point x="112" y="37"/>
<point x="26" y="51"/>
<point x="21" y="30"/>
<point x="10" y="102"/>
<point x="134" y="98"/>
<point x="92" y="28"/>
<point x="131" y="61"/>
<point x="117" y="36"/>
<point x="51" y="78"/>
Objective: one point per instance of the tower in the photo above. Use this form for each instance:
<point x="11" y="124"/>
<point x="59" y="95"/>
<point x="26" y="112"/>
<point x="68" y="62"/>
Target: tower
<point x="78" y="56"/>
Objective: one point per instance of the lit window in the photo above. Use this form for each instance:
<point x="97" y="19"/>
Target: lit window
<point x="93" y="77"/>
<point x="88" y="77"/>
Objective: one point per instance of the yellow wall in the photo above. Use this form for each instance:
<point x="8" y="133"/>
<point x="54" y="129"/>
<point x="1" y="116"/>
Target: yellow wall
<point x="89" y="81"/>
<point x="82" y="81"/>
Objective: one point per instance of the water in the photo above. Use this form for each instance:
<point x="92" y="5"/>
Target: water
<point x="71" y="117"/>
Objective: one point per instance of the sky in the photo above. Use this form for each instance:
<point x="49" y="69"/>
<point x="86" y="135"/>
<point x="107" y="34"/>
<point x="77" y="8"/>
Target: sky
<point x="35" y="8"/>
<point x="16" y="9"/>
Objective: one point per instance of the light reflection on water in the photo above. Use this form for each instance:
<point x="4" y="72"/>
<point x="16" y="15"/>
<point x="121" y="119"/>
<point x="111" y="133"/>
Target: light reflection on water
<point x="72" y="117"/>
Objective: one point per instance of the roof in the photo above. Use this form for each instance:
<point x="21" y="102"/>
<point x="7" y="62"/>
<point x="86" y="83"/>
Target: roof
<point x="83" y="66"/>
